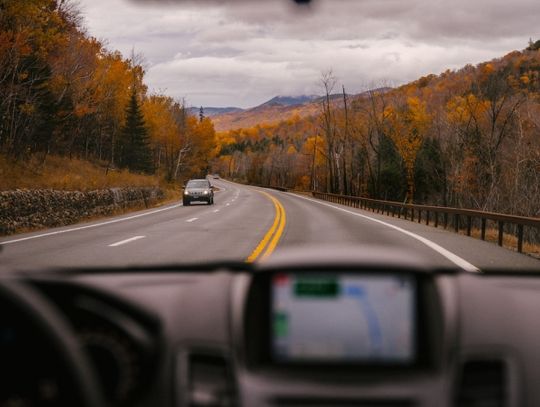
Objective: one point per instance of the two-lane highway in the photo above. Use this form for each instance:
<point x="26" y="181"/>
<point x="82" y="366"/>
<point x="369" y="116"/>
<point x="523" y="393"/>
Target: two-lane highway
<point x="246" y="223"/>
<point x="230" y="229"/>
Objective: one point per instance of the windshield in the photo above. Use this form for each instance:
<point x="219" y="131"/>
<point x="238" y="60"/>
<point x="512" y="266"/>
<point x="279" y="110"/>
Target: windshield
<point x="412" y="125"/>
<point x="197" y="184"/>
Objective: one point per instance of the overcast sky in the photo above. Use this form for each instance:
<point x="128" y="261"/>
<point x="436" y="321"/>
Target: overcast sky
<point x="242" y="53"/>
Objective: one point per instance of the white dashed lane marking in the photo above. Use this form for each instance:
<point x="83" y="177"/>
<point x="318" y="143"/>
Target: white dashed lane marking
<point x="131" y="239"/>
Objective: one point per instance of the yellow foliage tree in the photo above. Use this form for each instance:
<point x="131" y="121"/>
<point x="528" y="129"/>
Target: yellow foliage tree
<point x="406" y="126"/>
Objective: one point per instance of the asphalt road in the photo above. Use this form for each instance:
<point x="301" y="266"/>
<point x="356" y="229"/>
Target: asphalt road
<point x="246" y="223"/>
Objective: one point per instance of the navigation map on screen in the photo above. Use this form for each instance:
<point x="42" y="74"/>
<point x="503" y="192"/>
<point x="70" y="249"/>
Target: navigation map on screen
<point x="344" y="318"/>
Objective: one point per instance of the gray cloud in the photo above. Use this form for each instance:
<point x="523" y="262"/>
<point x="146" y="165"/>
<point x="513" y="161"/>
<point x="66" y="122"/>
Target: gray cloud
<point x="243" y="52"/>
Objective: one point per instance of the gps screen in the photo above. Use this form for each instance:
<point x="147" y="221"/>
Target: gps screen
<point x="362" y="318"/>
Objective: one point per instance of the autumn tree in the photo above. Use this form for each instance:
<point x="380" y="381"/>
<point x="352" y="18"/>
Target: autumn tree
<point x="407" y="124"/>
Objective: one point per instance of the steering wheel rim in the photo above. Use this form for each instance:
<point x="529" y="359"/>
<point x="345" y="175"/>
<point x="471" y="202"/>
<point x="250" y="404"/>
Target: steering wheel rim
<point x="53" y="330"/>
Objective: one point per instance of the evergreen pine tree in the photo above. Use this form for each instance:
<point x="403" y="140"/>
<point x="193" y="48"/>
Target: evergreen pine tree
<point x="201" y="114"/>
<point x="135" y="149"/>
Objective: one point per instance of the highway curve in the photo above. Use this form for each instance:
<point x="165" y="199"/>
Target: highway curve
<point x="246" y="223"/>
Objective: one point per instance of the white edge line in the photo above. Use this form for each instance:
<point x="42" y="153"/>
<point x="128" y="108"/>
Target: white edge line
<point x="94" y="225"/>
<point x="216" y="210"/>
<point x="464" y="264"/>
<point x="131" y="239"/>
<point x="192" y="220"/>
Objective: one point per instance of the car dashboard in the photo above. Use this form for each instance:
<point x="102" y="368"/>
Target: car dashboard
<point x="330" y="331"/>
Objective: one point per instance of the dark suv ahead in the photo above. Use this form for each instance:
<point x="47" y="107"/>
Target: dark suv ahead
<point x="198" y="190"/>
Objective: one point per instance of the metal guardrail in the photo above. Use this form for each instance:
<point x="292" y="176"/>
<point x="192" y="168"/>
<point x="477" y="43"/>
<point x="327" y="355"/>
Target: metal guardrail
<point x="434" y="213"/>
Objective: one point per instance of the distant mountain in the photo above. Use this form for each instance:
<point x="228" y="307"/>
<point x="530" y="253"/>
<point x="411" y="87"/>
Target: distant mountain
<point x="290" y="100"/>
<point x="213" y="111"/>
<point x="277" y="109"/>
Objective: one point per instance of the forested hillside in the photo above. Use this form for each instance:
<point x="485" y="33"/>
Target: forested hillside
<point x="63" y="93"/>
<point x="466" y="138"/>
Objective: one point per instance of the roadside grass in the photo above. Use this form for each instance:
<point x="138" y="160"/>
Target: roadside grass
<point x="509" y="241"/>
<point x="63" y="173"/>
<point x="492" y="235"/>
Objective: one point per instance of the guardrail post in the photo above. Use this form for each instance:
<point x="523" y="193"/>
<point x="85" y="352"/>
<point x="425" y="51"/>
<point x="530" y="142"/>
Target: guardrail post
<point x="427" y="218"/>
<point x="520" y="238"/>
<point x="483" y="231"/>
<point x="445" y="220"/>
<point x="456" y="222"/>
<point x="419" y="215"/>
<point x="469" y="225"/>
<point x="501" y="231"/>
<point x="436" y="219"/>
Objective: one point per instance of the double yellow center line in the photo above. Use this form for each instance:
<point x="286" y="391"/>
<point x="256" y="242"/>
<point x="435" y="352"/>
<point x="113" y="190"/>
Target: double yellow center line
<point x="270" y="240"/>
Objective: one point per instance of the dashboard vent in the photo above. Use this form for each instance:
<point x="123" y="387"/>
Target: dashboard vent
<point x="210" y="381"/>
<point x="483" y="383"/>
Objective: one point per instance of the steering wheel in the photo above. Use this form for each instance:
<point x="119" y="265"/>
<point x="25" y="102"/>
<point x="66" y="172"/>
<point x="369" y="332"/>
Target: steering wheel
<point x="41" y="362"/>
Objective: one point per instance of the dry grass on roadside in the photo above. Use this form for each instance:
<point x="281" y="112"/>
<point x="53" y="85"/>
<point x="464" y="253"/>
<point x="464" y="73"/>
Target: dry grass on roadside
<point x="76" y="175"/>
<point x="65" y="174"/>
<point x="509" y="240"/>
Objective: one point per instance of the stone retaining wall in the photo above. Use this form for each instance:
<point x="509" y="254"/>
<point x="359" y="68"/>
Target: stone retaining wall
<point x="32" y="209"/>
